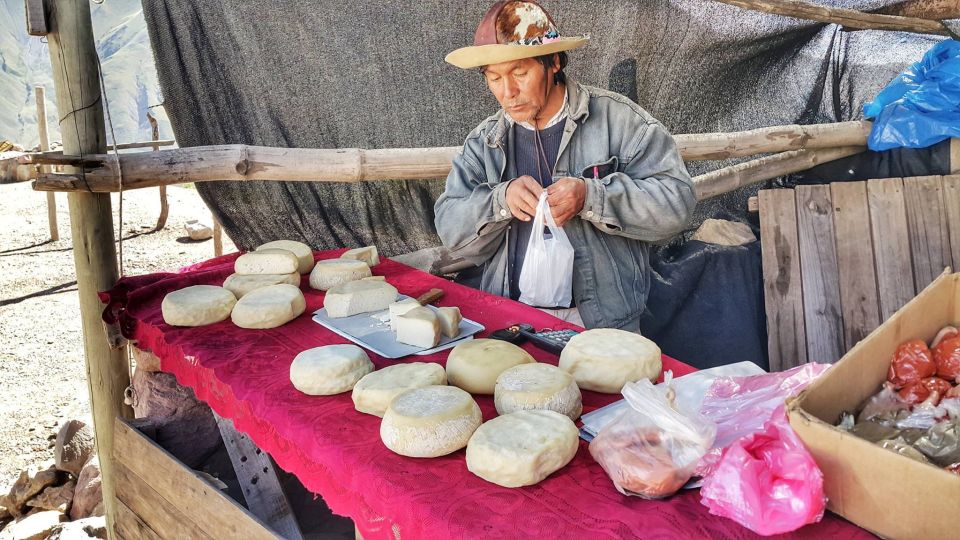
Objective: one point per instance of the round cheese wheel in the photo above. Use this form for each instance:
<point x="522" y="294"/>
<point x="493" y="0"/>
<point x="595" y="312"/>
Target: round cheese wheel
<point x="197" y="305"/>
<point x="269" y="307"/>
<point x="430" y="421"/>
<point x="324" y="371"/>
<point x="476" y="364"/>
<point x="267" y="261"/>
<point x="605" y="359"/>
<point x="329" y="273"/>
<point x="522" y="448"/>
<point x="241" y="284"/>
<point x="538" y="387"/>
<point x="374" y="392"/>
<point x="302" y="251"/>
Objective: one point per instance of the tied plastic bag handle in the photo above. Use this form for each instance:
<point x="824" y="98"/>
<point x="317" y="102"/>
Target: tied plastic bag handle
<point x="546" y="279"/>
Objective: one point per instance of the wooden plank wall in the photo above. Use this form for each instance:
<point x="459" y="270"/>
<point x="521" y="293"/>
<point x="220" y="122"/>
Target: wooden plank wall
<point x="160" y="498"/>
<point x="840" y="259"/>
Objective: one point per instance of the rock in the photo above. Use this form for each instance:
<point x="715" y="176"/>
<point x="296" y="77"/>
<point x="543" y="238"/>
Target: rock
<point x="55" y="498"/>
<point x="35" y="526"/>
<point x="73" y="447"/>
<point x="84" y="529"/>
<point x="724" y="233"/>
<point x="184" y="425"/>
<point x="198" y="231"/>
<point x="30" y="483"/>
<point x="4" y="513"/>
<point x="88" y="492"/>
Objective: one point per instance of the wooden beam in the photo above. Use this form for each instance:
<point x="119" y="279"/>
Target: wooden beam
<point x="259" y="482"/>
<point x="924" y="9"/>
<point x="713" y="146"/>
<point x="848" y="18"/>
<point x="44" y="147"/>
<point x="750" y="172"/>
<point x="76" y="77"/>
<point x="37" y="24"/>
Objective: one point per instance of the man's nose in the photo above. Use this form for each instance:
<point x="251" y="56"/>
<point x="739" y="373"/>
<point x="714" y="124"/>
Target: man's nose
<point x="510" y="88"/>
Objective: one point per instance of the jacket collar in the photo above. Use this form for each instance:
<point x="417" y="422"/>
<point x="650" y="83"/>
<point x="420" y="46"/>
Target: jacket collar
<point x="578" y="102"/>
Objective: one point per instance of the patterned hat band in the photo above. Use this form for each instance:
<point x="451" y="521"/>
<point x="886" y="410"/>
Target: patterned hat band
<point x="551" y="36"/>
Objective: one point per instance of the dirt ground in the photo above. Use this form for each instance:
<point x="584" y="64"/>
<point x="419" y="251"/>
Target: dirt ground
<point x="42" y="374"/>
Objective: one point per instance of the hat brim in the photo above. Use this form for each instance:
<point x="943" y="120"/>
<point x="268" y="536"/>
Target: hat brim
<point x="484" y="55"/>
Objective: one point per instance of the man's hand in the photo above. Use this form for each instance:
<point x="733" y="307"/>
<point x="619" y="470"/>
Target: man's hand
<point x="523" y="194"/>
<point x="566" y="197"/>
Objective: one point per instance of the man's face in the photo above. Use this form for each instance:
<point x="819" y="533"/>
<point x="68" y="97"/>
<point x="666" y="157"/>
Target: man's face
<point x="520" y="86"/>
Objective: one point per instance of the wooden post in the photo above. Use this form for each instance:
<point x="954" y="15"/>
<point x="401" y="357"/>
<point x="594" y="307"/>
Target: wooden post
<point x="164" y="205"/>
<point x="44" y="147"/>
<point x="217" y="237"/>
<point x="76" y="77"/>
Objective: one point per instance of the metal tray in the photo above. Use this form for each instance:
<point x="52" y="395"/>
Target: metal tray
<point x="372" y="331"/>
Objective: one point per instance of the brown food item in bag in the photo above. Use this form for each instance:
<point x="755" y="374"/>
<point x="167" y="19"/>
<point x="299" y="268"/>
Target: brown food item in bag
<point x="912" y="361"/>
<point x="638" y="462"/>
<point x="946" y="355"/>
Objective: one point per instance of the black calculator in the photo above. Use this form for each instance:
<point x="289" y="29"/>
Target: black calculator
<point x="547" y="339"/>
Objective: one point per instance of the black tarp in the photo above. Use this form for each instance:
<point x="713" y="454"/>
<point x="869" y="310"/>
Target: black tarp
<point x="371" y="74"/>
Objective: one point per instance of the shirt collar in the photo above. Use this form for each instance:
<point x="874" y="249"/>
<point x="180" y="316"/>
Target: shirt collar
<point x="561" y="114"/>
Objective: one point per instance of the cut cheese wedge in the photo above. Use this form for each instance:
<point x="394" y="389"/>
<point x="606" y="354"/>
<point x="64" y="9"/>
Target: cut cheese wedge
<point x="367" y="254"/>
<point x="419" y="327"/>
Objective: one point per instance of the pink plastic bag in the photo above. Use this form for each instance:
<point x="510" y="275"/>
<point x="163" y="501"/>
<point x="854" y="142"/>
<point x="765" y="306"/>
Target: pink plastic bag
<point x="768" y="481"/>
<point x="741" y="406"/>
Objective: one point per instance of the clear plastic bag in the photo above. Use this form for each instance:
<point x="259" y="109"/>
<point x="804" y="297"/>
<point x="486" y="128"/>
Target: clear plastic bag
<point x="768" y="481"/>
<point x="652" y="449"/>
<point x="546" y="279"/>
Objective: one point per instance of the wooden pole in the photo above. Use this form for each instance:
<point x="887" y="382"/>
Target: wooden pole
<point x="44" y="147"/>
<point x="954" y="156"/>
<point x="242" y="163"/>
<point x="924" y="9"/>
<point x="217" y="237"/>
<point x="76" y="77"/>
<point x="750" y="172"/>
<point x="164" y="205"/>
<point x="849" y="18"/>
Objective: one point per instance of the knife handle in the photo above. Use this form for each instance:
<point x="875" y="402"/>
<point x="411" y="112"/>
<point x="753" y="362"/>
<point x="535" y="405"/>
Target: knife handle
<point x="430" y="297"/>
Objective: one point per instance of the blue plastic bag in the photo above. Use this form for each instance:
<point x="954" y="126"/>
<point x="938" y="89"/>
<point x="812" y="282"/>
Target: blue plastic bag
<point x="921" y="107"/>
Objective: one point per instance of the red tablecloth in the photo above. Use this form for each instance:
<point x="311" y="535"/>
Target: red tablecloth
<point x="336" y="451"/>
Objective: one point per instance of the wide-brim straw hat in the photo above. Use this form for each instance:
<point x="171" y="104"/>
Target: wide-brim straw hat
<point x="513" y="30"/>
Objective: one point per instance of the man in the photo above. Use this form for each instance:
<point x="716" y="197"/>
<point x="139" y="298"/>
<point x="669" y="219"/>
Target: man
<point x="614" y="178"/>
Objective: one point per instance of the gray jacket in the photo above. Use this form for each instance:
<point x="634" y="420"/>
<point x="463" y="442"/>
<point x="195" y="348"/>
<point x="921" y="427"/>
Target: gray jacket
<point x="643" y="193"/>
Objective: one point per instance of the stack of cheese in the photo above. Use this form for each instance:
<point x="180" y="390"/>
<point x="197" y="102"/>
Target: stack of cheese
<point x="263" y="292"/>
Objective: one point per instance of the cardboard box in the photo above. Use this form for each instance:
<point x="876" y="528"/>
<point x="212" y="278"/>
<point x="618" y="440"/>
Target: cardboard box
<point x="880" y="490"/>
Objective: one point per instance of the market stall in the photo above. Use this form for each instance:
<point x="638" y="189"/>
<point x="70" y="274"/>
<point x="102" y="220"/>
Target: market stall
<point x="336" y="451"/>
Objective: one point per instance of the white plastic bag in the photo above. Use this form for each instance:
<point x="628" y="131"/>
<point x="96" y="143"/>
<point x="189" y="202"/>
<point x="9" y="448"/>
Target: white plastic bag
<point x="546" y="279"/>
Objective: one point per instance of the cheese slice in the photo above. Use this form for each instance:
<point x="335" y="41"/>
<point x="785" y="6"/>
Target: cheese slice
<point x="476" y="364"/>
<point x="538" y="387"/>
<point x="399" y="308"/>
<point x="605" y="359"/>
<point x="302" y="251"/>
<point x="329" y="370"/>
<point x="198" y="305"/>
<point x="450" y="319"/>
<point x="267" y="261"/>
<point x="332" y="272"/>
<point x="269" y="307"/>
<point x="373" y="393"/>
<point x="367" y="254"/>
<point x="356" y="297"/>
<point x="430" y="421"/>
<point x="522" y="448"/>
<point x="241" y="284"/>
<point x="419" y="327"/>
